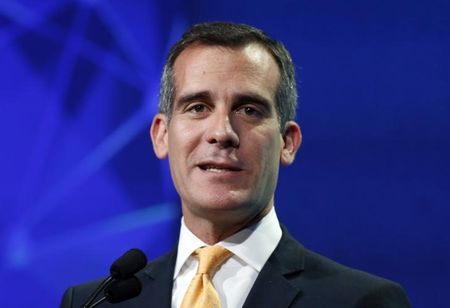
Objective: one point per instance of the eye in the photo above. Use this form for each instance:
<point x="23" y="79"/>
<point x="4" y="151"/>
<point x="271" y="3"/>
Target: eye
<point x="249" y="111"/>
<point x="197" y="108"/>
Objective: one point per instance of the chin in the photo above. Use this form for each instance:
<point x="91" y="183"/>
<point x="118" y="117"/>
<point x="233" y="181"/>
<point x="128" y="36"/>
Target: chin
<point x="222" y="204"/>
<point x="215" y="201"/>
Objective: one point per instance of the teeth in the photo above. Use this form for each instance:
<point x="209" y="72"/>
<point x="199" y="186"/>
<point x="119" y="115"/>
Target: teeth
<point x="215" y="169"/>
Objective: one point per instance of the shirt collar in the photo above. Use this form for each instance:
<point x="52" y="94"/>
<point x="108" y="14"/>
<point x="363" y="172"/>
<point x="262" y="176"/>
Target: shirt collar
<point x="253" y="244"/>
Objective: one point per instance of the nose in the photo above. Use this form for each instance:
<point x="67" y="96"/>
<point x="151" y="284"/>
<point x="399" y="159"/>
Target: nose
<point x="222" y="133"/>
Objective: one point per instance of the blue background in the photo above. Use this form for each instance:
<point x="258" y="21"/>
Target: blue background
<point x="80" y="184"/>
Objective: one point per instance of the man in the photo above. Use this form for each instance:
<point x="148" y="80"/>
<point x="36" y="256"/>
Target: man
<point x="226" y="122"/>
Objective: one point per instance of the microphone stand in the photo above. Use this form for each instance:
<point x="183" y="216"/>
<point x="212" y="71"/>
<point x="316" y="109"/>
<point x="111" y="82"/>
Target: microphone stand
<point x="97" y="291"/>
<point x="98" y="302"/>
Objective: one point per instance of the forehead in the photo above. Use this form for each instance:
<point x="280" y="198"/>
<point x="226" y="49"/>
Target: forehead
<point x="250" y="66"/>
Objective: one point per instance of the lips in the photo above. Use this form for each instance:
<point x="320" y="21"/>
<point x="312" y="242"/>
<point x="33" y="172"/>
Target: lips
<point x="219" y="167"/>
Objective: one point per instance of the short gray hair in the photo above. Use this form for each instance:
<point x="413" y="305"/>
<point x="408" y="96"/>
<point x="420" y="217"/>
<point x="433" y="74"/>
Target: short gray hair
<point x="233" y="35"/>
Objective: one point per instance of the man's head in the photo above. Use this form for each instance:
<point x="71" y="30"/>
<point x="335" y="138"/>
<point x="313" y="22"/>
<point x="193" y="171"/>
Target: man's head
<point x="221" y="131"/>
<point x="234" y="36"/>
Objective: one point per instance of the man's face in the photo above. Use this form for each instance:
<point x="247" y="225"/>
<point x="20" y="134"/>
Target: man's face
<point x="223" y="139"/>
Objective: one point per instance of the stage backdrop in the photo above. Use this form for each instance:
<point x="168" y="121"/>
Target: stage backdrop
<point x="80" y="185"/>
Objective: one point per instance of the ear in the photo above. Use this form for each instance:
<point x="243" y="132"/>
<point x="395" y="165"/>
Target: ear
<point x="292" y="138"/>
<point x="158" y="134"/>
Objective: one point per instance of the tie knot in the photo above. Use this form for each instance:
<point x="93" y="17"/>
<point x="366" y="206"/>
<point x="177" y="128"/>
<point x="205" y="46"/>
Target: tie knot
<point x="210" y="258"/>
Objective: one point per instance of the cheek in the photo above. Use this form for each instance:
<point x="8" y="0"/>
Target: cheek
<point x="182" y="143"/>
<point x="266" y="154"/>
<point x="179" y="137"/>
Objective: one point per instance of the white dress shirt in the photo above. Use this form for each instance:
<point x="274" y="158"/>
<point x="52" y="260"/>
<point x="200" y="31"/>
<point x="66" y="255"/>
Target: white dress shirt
<point x="251" y="247"/>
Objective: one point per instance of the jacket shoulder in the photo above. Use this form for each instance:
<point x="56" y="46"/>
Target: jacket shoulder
<point x="322" y="282"/>
<point x="75" y="296"/>
<point x="348" y="286"/>
<point x="156" y="277"/>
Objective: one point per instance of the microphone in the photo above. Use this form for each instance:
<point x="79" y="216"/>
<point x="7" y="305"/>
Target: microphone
<point x="128" y="264"/>
<point x="123" y="268"/>
<point x="120" y="290"/>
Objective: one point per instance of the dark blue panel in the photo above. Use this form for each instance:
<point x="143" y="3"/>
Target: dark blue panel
<point x="80" y="185"/>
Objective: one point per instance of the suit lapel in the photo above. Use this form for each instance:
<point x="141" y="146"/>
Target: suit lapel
<point x="273" y="287"/>
<point x="157" y="281"/>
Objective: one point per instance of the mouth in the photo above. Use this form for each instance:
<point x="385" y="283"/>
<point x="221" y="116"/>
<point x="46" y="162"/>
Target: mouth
<point x="219" y="168"/>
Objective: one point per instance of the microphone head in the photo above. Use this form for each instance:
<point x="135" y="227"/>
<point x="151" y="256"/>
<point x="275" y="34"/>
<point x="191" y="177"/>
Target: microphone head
<point x="121" y="290"/>
<point x="128" y="264"/>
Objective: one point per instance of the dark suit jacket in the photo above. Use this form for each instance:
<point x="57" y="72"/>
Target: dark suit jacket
<point x="292" y="277"/>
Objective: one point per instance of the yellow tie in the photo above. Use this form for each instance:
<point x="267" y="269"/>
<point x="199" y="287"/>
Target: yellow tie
<point x="201" y="292"/>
